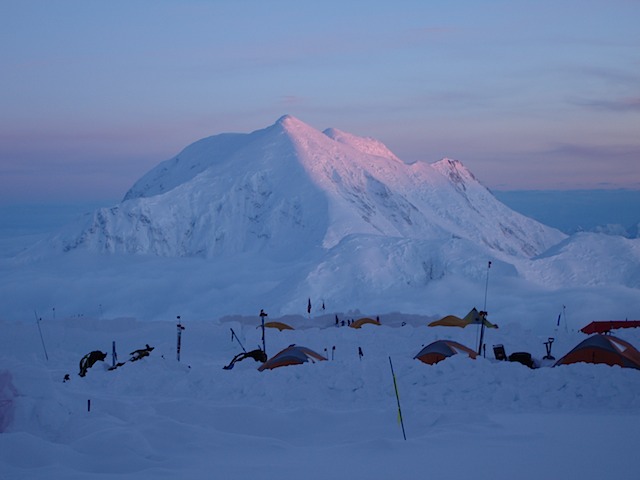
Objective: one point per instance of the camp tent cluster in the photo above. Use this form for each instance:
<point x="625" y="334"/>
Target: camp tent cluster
<point x="595" y="349"/>
<point x="598" y="348"/>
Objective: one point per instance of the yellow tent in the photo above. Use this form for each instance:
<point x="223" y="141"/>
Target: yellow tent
<point x="472" y="318"/>
<point x="279" y="325"/>
<point x="449" y="321"/>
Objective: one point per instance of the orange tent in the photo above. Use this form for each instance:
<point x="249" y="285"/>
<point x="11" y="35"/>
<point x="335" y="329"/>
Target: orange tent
<point x="363" y="321"/>
<point x="441" y="349"/>
<point x="279" y="325"/>
<point x="292" y="355"/>
<point x="605" y="326"/>
<point x="603" y="349"/>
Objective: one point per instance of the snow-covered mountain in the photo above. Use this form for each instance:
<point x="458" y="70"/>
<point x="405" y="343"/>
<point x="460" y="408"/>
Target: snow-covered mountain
<point x="239" y="222"/>
<point x="290" y="189"/>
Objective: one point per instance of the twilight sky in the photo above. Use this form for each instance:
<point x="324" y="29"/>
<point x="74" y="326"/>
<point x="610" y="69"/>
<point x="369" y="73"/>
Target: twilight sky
<point x="528" y="95"/>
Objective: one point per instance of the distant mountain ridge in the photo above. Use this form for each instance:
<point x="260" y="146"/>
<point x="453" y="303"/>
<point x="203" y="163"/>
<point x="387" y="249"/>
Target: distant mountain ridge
<point x="289" y="189"/>
<point x="613" y="212"/>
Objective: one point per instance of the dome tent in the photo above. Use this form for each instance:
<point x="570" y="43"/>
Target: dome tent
<point x="603" y="349"/>
<point x="364" y="321"/>
<point x="292" y="355"/>
<point x="441" y="349"/>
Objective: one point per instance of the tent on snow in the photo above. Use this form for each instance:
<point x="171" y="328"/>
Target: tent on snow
<point x="603" y="349"/>
<point x="441" y="349"/>
<point x="363" y="321"/>
<point x="292" y="355"/>
<point x="279" y="325"/>
<point x="605" y="326"/>
<point x="474" y="317"/>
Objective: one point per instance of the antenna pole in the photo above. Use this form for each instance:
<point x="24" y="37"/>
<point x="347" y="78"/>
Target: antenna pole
<point x="486" y="287"/>
<point x="483" y="314"/>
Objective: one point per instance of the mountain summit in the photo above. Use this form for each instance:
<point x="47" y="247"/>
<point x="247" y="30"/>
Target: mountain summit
<point x="289" y="189"/>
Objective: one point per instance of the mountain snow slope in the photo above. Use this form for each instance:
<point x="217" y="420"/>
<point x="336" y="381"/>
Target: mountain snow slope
<point x="270" y="219"/>
<point x="588" y="259"/>
<point x="289" y="189"/>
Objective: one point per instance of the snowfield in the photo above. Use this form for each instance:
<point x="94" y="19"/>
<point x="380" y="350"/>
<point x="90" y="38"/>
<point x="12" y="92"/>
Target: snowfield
<point x="160" y="418"/>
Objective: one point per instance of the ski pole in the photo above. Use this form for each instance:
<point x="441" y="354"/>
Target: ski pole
<point x="234" y="335"/>
<point x="41" y="337"/>
<point x="395" y="386"/>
